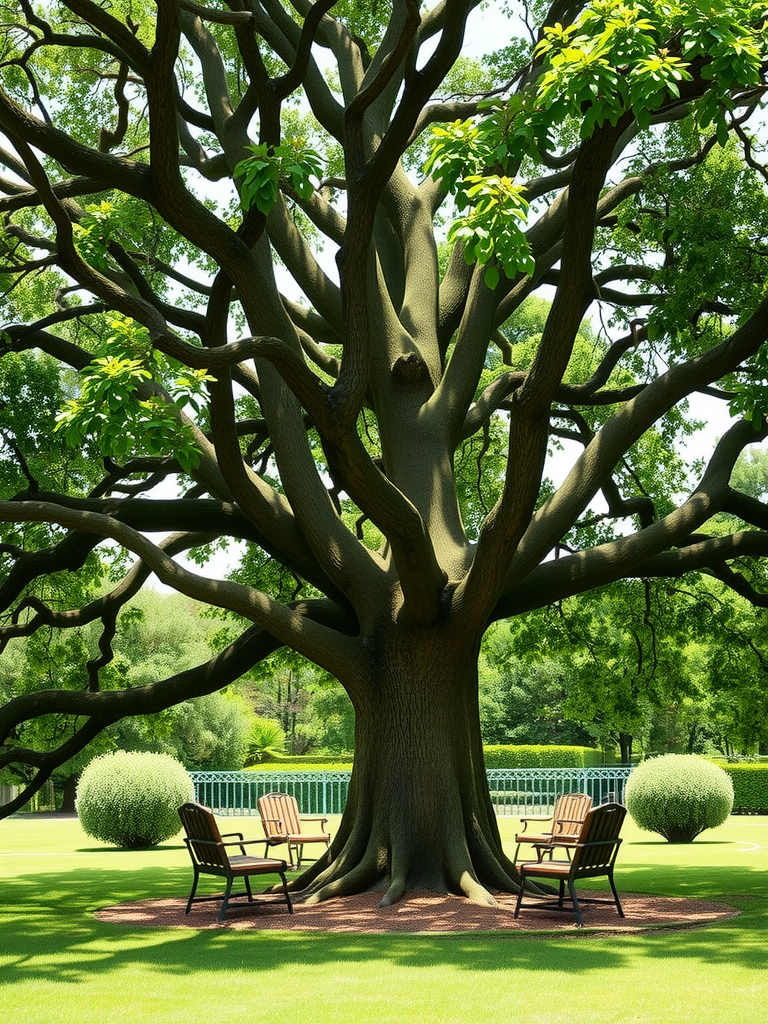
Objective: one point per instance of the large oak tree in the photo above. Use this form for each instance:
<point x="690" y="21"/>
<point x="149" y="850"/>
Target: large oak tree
<point x="273" y="249"/>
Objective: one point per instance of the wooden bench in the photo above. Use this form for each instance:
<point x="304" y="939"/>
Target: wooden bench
<point x="592" y="854"/>
<point x="567" y="818"/>
<point x="282" y="823"/>
<point x="208" y="849"/>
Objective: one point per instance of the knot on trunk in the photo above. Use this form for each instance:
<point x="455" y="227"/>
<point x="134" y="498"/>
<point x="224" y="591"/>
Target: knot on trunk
<point x="411" y="371"/>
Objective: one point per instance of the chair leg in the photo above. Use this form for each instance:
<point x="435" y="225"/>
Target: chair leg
<point x="615" y="895"/>
<point x="519" y="899"/>
<point x="561" y="895"/>
<point x="224" y="902"/>
<point x="286" y="893"/>
<point x="194" y="887"/>
<point x="576" y="907"/>
<point x="248" y="888"/>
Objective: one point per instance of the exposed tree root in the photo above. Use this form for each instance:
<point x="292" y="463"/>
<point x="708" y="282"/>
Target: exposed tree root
<point x="366" y="863"/>
<point x="418" y="814"/>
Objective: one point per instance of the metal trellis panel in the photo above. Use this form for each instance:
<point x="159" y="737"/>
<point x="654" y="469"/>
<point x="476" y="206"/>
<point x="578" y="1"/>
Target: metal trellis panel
<point x="514" y="791"/>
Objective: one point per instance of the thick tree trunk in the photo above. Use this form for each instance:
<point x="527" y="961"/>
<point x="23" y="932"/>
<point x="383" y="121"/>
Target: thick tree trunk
<point x="69" y="794"/>
<point x="419" y="813"/>
<point x="625" y="747"/>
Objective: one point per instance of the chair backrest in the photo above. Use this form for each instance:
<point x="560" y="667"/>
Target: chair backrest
<point x="279" y="815"/>
<point x="601" y="827"/>
<point x="570" y="811"/>
<point x="204" y="840"/>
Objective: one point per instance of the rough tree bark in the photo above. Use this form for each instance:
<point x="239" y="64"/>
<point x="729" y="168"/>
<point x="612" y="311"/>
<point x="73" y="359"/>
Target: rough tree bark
<point x="419" y="813"/>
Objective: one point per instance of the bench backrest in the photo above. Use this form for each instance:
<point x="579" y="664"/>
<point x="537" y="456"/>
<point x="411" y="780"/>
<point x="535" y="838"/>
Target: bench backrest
<point x="279" y="815"/>
<point x="599" y="838"/>
<point x="569" y="813"/>
<point x="204" y="840"/>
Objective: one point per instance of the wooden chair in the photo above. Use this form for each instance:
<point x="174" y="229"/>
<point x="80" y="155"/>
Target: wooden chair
<point x="282" y="823"/>
<point x="208" y="850"/>
<point x="593" y="855"/>
<point x="566" y="819"/>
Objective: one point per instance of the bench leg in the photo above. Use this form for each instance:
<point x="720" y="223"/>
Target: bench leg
<point x="224" y="902"/>
<point x="286" y="893"/>
<point x="576" y="907"/>
<point x="615" y="895"/>
<point x="519" y="899"/>
<point x="194" y="887"/>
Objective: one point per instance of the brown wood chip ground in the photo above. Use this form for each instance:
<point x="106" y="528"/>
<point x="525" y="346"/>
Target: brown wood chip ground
<point x="428" y="912"/>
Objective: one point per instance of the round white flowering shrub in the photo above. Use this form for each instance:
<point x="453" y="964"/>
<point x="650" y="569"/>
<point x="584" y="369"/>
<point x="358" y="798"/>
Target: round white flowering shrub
<point x="131" y="799"/>
<point x="678" y="796"/>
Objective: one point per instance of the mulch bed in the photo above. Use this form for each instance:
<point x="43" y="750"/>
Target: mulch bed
<point x="423" y="912"/>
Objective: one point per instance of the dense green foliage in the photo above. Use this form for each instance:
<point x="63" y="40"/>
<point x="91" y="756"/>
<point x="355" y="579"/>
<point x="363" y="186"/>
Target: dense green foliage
<point x="300" y="763"/>
<point x="156" y="634"/>
<point x="496" y="756"/>
<point x="647" y="666"/>
<point x="552" y="756"/>
<point x="750" y="787"/>
<point x="679" y="796"/>
<point x="309" y="706"/>
<point x="266" y="740"/>
<point x="132" y="799"/>
<point x="160" y="633"/>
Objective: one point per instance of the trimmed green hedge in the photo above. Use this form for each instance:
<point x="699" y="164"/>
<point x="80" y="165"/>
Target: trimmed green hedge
<point x="507" y="756"/>
<point x="496" y="756"/>
<point x="290" y="762"/>
<point x="301" y="765"/>
<point x="750" y="787"/>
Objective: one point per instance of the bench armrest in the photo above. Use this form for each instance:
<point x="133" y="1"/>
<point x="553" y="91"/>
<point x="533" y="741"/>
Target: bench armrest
<point x="215" y="842"/>
<point x="535" y="818"/>
<point x="575" y="845"/>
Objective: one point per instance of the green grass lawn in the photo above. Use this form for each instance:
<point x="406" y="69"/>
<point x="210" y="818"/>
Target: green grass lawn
<point x="59" y="965"/>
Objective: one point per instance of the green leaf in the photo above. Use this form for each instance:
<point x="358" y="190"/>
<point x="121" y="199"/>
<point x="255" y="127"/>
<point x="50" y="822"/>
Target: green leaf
<point x="491" y="277"/>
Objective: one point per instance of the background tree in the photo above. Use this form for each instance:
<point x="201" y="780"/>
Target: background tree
<point x="156" y="634"/>
<point x="311" y="707"/>
<point x="170" y="165"/>
<point x="524" y="700"/>
<point x="643" y="665"/>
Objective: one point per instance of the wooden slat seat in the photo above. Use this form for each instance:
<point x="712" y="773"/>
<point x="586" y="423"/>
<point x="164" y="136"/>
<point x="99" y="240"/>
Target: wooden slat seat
<point x="593" y="854"/>
<point x="566" y="821"/>
<point x="283" y="823"/>
<point x="208" y="849"/>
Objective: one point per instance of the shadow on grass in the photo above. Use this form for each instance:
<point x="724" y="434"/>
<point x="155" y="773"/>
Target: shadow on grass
<point x="722" y="883"/>
<point x="120" y="851"/>
<point x="49" y="932"/>
<point x="665" y="842"/>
